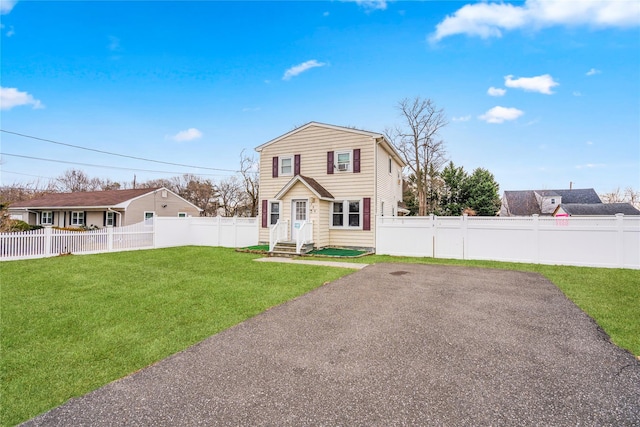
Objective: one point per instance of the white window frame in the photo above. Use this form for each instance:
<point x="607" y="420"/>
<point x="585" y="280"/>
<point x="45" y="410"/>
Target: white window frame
<point x="345" y="214"/>
<point x="280" y="164"/>
<point x="77" y="218"/>
<point x="349" y="163"/>
<point x="49" y="218"/>
<point x="269" y="211"/>
<point x="110" y="219"/>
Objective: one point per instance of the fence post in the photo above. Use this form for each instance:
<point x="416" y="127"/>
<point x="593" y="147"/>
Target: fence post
<point x="620" y="240"/>
<point x="465" y="236"/>
<point x="536" y="238"/>
<point x="47" y="241"/>
<point x="110" y="238"/>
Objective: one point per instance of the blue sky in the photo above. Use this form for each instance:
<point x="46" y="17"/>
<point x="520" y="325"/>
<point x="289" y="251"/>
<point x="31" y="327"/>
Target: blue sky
<point x="541" y="93"/>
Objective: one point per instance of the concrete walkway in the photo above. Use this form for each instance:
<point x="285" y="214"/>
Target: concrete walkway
<point x="339" y="264"/>
<point x="389" y="345"/>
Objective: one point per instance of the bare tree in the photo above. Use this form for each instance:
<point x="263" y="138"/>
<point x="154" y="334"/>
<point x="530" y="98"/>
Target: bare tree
<point x="200" y="192"/>
<point x="632" y="196"/>
<point x="249" y="169"/>
<point x="420" y="145"/>
<point x="629" y="195"/>
<point x="231" y="195"/>
<point x="614" y="196"/>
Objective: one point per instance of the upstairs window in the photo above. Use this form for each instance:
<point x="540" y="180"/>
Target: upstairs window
<point x="343" y="161"/>
<point x="286" y="165"/>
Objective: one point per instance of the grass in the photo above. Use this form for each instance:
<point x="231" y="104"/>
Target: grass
<point x="69" y="325"/>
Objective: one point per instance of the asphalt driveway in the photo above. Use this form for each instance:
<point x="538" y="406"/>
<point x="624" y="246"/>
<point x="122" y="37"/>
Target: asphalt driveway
<point x="390" y="345"/>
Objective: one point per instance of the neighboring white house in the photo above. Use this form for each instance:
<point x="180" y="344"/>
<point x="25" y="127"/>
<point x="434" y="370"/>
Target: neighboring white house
<point x="331" y="181"/>
<point x="102" y="208"/>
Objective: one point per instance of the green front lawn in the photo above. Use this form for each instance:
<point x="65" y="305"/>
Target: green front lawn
<point x="69" y="325"/>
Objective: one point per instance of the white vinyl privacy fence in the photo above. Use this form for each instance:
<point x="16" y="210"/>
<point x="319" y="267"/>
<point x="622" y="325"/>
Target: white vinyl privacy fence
<point x="612" y="241"/>
<point x="162" y="232"/>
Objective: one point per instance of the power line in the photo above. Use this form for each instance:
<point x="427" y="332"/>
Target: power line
<point x="113" y="154"/>
<point x="104" y="166"/>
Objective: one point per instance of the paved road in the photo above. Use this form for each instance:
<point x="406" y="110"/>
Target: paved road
<point x="390" y="345"/>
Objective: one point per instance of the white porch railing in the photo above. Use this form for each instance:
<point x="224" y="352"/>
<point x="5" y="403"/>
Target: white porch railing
<point x="305" y="235"/>
<point x="278" y="233"/>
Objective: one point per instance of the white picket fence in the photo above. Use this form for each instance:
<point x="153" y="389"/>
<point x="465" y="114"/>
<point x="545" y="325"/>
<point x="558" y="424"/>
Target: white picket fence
<point x="162" y="232"/>
<point x="612" y="241"/>
<point x="49" y="241"/>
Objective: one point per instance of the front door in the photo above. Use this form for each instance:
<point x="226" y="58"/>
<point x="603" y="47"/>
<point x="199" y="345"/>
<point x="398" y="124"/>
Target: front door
<point x="299" y="214"/>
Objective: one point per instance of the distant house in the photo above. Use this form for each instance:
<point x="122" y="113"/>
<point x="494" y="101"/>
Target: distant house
<point x="102" y="208"/>
<point x="584" y="209"/>
<point x="544" y="202"/>
<point x="329" y="181"/>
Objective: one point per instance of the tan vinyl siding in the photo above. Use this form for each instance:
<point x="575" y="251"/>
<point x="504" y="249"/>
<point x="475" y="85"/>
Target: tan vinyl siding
<point x="312" y="144"/>
<point x="154" y="203"/>
<point x="389" y="188"/>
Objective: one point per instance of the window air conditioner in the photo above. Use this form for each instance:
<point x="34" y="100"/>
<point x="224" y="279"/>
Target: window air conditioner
<point x="343" y="167"/>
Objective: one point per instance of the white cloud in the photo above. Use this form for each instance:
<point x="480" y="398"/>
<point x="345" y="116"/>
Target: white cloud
<point x="591" y="166"/>
<point x="501" y="114"/>
<point x="589" y="142"/>
<point x="577" y="93"/>
<point x="491" y="19"/>
<point x="6" y="6"/>
<point x="372" y="4"/>
<point x="187" y="135"/>
<point x="301" y="68"/>
<point x="461" y="119"/>
<point x="542" y="84"/>
<point x="325" y="14"/>
<point x="496" y="91"/>
<point x="593" y="72"/>
<point x="11" y="97"/>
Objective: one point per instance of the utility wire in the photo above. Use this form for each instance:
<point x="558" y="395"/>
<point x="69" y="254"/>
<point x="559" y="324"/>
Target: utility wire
<point x="113" y="154"/>
<point x="103" y="166"/>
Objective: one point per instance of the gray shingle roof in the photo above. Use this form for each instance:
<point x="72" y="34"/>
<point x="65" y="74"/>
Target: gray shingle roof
<point x="524" y="202"/>
<point x="599" y="209"/>
<point x="83" y="199"/>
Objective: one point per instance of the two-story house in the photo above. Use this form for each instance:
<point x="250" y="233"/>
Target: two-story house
<point x="323" y="185"/>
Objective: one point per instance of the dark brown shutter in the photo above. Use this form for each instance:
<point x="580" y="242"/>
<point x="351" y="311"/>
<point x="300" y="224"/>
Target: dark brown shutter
<point x="274" y="168"/>
<point x="84" y="219"/>
<point x="329" y="162"/>
<point x="104" y="218"/>
<point x="366" y="213"/>
<point x="265" y="212"/>
<point x="296" y="164"/>
<point x="356" y="160"/>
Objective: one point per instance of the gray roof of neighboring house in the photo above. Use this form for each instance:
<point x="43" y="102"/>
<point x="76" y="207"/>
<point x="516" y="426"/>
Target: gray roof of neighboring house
<point x="599" y="209"/>
<point x="521" y="203"/>
<point x="524" y="202"/>
<point x="578" y="195"/>
<point x="82" y="199"/>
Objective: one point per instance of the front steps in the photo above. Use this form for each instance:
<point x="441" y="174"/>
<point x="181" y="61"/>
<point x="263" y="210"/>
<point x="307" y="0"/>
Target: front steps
<point x="289" y="249"/>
